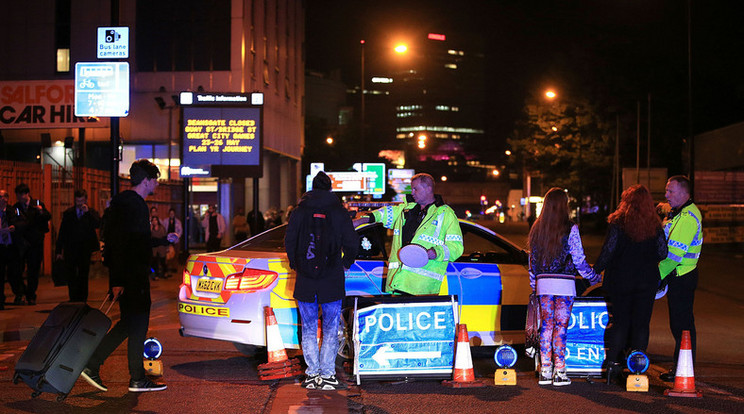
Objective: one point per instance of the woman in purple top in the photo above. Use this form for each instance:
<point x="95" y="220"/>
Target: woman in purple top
<point x="556" y="257"/>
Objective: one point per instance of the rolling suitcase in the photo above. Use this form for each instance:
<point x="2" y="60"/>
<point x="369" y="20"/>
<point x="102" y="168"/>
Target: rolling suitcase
<point x="58" y="352"/>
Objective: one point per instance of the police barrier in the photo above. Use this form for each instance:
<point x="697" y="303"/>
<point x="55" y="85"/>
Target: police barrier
<point x="404" y="336"/>
<point x="585" y="346"/>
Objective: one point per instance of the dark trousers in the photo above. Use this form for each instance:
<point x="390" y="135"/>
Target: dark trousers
<point x="8" y="259"/>
<point x="133" y="325"/>
<point x="213" y="244"/>
<point x="631" y="316"/>
<point x="30" y="260"/>
<point x="681" y="297"/>
<point x="77" y="269"/>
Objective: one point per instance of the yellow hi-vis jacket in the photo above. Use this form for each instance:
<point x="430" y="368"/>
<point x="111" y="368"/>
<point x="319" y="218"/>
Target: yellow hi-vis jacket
<point x="439" y="230"/>
<point x="685" y="241"/>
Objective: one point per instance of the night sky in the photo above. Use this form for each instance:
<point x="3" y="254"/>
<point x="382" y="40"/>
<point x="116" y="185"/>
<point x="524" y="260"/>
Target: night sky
<point x="616" y="53"/>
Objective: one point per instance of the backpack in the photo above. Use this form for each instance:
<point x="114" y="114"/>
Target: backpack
<point x="315" y="243"/>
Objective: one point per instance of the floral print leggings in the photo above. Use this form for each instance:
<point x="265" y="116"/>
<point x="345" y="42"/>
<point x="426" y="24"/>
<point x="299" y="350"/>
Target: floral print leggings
<point x="555" y="314"/>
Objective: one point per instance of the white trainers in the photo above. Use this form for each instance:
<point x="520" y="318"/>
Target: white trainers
<point x="561" y="378"/>
<point x="546" y="376"/>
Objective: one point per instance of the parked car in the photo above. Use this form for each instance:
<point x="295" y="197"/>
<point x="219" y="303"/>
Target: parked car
<point x="224" y="293"/>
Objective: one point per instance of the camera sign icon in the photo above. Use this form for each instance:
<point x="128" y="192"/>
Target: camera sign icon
<point x="113" y="43"/>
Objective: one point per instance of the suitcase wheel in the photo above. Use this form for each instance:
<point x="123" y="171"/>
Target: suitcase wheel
<point x="35" y="394"/>
<point x="61" y="397"/>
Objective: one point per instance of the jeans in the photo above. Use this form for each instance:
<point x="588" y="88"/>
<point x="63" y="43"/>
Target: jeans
<point x="321" y="362"/>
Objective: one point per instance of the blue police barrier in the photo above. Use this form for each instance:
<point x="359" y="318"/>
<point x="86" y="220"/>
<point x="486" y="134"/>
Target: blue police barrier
<point x="585" y="346"/>
<point x="395" y="340"/>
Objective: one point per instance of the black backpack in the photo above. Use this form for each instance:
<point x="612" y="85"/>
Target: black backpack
<point x="315" y="243"/>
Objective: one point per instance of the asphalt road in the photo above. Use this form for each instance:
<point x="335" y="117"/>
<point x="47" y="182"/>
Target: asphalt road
<point x="211" y="376"/>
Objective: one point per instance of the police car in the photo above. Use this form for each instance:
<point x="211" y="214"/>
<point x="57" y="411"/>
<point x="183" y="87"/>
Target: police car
<point x="223" y="294"/>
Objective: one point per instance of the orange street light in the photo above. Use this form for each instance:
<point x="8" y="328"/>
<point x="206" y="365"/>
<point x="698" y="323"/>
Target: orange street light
<point x="400" y="48"/>
<point x="550" y="94"/>
<point x="495" y="173"/>
<point x="329" y="140"/>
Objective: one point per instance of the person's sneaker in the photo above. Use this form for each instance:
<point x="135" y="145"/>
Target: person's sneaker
<point x="311" y="382"/>
<point x="330" y="383"/>
<point x="93" y="379"/>
<point x="546" y="376"/>
<point x="145" y="385"/>
<point x="668" y="376"/>
<point x="561" y="378"/>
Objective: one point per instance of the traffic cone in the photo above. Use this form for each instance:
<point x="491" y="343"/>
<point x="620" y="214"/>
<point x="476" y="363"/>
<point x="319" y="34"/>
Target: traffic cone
<point x="279" y="366"/>
<point x="463" y="376"/>
<point x="684" y="378"/>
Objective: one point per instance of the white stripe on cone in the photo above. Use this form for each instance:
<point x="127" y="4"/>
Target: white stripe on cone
<point x="684" y="364"/>
<point x="462" y="356"/>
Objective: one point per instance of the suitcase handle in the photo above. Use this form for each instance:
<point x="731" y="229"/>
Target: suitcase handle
<point x="105" y="298"/>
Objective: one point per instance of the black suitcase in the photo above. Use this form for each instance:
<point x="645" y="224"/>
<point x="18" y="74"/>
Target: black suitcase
<point x="58" y="352"/>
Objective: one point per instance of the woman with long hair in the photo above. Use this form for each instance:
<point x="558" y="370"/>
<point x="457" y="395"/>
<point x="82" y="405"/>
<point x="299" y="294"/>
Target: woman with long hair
<point x="556" y="257"/>
<point x="634" y="245"/>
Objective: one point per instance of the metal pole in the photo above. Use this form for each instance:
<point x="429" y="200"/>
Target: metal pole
<point x="638" y="142"/>
<point x="690" y="135"/>
<point x="362" y="109"/>
<point x="114" y="120"/>
<point x="648" y="145"/>
<point x="255" y="204"/>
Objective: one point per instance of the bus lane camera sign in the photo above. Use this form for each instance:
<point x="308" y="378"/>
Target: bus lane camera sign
<point x="405" y="338"/>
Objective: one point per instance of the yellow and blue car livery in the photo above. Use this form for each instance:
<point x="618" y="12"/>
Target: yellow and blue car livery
<point x="223" y="294"/>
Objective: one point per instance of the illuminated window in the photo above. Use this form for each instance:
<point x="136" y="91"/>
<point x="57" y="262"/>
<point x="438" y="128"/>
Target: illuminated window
<point x="450" y="66"/>
<point x="63" y="60"/>
<point x="442" y="108"/>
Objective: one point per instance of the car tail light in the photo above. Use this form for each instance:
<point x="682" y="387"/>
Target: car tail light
<point x="186" y="277"/>
<point x="251" y="280"/>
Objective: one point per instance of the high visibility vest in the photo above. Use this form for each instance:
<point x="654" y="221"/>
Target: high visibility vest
<point x="684" y="234"/>
<point x="439" y="230"/>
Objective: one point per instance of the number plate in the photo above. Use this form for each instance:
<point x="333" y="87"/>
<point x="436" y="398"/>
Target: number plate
<point x="209" y="285"/>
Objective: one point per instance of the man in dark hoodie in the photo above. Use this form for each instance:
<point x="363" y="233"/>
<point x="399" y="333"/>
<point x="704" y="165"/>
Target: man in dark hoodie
<point x="128" y="249"/>
<point x="326" y="289"/>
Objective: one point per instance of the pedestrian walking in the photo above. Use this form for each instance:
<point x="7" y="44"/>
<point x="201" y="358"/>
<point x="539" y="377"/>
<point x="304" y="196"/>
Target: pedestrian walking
<point x="128" y="251"/>
<point x="76" y="241"/>
<point x="214" y="227"/>
<point x="31" y="226"/>
<point x="8" y="251"/>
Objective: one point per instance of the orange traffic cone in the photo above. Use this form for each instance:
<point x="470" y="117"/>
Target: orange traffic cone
<point x="463" y="377"/>
<point x="684" y="379"/>
<point x="279" y="366"/>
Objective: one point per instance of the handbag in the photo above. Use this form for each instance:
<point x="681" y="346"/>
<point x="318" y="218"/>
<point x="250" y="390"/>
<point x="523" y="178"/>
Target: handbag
<point x="532" y="327"/>
<point x="59" y="273"/>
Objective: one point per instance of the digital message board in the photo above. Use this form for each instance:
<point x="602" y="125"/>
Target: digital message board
<point x="221" y="135"/>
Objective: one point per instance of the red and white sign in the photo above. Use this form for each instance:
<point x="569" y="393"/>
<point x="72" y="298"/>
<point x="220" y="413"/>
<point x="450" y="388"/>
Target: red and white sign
<point x="42" y="104"/>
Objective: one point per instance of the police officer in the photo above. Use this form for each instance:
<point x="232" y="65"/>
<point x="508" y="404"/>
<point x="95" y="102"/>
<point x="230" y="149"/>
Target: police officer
<point x="684" y="230"/>
<point x="424" y="220"/>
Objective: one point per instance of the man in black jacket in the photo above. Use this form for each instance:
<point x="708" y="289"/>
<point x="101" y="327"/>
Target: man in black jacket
<point x="129" y="251"/>
<point x="76" y="241"/>
<point x="8" y="251"/>
<point x="327" y="288"/>
<point x="33" y="223"/>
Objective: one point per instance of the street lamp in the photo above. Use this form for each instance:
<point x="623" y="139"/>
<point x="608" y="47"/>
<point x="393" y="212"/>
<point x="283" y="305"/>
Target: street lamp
<point x="550" y="94"/>
<point x="401" y="48"/>
<point x="162" y="105"/>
